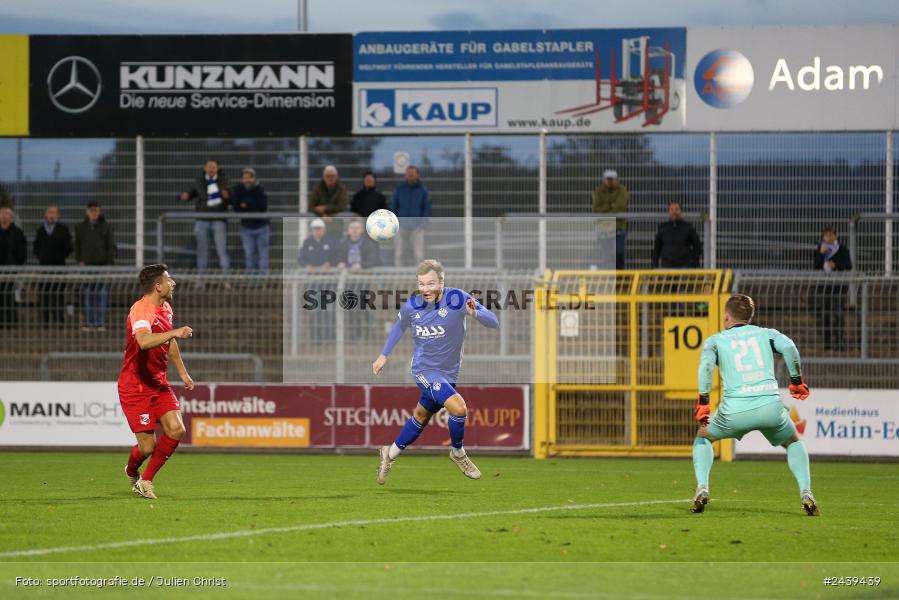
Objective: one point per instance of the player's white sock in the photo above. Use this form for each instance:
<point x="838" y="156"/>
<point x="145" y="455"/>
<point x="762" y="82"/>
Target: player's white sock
<point x="393" y="452"/>
<point x="458" y="452"/>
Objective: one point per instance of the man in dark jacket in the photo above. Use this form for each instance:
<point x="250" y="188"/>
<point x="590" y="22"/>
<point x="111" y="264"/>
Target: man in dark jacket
<point x="255" y="234"/>
<point x="412" y="204"/>
<point x="211" y="193"/>
<point x="52" y="245"/>
<point x="95" y="247"/>
<point x="13" y="251"/>
<point x="317" y="251"/>
<point x="317" y="255"/>
<point x="369" y="198"/>
<point x="677" y="245"/>
<point x="831" y="257"/>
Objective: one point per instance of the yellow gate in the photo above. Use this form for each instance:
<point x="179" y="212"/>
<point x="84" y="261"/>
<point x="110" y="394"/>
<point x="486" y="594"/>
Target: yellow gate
<point x="616" y="357"/>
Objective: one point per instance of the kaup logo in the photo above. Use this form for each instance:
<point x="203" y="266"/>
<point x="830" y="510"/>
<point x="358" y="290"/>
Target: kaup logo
<point x="377" y="108"/>
<point x="427" y="108"/>
<point x="74" y="84"/>
<point x="723" y="78"/>
<point x="2" y="412"/>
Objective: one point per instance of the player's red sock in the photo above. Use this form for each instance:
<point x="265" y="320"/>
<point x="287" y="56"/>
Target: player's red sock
<point x="135" y="460"/>
<point x="165" y="447"/>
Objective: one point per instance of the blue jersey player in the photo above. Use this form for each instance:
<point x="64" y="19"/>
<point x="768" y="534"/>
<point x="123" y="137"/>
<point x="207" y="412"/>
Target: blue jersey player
<point x="744" y="354"/>
<point x="437" y="319"/>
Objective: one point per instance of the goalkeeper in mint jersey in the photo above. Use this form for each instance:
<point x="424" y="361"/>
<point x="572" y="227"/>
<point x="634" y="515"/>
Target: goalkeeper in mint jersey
<point x="437" y="317"/>
<point x="744" y="355"/>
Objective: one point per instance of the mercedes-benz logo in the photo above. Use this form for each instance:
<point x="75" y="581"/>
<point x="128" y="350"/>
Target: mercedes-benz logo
<point x="74" y="84"/>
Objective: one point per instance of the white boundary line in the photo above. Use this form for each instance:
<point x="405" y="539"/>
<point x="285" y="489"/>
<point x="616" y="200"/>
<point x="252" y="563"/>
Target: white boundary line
<point x="313" y="526"/>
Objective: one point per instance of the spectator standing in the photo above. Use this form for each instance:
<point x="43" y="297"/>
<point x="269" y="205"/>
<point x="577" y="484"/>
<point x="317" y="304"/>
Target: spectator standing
<point x="369" y="198"/>
<point x="329" y="198"/>
<point x="831" y="257"/>
<point x="317" y="255"/>
<point x="611" y="197"/>
<point x="95" y="247"/>
<point x="13" y="251"/>
<point x="317" y="251"/>
<point x="255" y="234"/>
<point x="211" y="194"/>
<point x="52" y="245"/>
<point x="677" y="245"/>
<point x="412" y="204"/>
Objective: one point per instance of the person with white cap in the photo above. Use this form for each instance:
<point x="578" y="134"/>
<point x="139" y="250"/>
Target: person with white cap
<point x="611" y="197"/>
<point x="317" y="251"/>
<point x="330" y="197"/>
<point x="317" y="254"/>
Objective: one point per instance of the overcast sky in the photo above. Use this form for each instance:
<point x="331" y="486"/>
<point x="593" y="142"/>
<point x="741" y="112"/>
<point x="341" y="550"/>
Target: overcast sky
<point x="229" y="16"/>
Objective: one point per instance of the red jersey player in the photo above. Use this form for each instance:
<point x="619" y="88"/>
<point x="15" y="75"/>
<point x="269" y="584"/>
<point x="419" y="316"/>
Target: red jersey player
<point x="144" y="391"/>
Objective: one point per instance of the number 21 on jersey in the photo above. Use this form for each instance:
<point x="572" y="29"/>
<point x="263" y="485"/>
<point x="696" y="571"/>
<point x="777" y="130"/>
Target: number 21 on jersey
<point x="742" y="349"/>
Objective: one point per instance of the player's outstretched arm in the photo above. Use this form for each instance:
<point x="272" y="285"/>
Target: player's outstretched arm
<point x="482" y="314"/>
<point x="147" y="340"/>
<point x="396" y="334"/>
<point x="175" y="354"/>
<point x="787" y="348"/>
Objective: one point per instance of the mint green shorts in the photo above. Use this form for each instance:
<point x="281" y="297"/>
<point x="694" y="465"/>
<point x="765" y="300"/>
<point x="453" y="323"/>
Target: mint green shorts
<point x="771" y="419"/>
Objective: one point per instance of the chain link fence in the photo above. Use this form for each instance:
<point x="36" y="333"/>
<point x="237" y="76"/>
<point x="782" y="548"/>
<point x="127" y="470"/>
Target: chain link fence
<point x="70" y="325"/>
<point x="845" y="326"/>
<point x="773" y="192"/>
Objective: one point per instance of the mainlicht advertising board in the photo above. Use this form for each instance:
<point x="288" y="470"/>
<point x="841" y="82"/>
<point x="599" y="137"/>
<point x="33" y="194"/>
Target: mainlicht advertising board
<point x="840" y="423"/>
<point x="792" y="78"/>
<point x="571" y="80"/>
<point x="196" y="85"/>
<point x="62" y="414"/>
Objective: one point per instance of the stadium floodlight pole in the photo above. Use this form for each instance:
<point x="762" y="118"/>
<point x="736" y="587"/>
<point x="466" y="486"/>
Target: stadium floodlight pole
<point x="139" y="202"/>
<point x="302" y="16"/>
<point x="304" y="186"/>
<point x="713" y="200"/>
<point x="541" y="201"/>
<point x="469" y="203"/>
<point x="888" y="208"/>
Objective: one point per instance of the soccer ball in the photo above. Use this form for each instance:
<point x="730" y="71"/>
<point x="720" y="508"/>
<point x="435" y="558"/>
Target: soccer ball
<point x="382" y="225"/>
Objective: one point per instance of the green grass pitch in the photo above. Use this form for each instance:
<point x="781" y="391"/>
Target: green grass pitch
<point x="281" y="525"/>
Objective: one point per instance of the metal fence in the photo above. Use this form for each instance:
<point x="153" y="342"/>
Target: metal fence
<point x="846" y="326"/>
<point x="767" y="196"/>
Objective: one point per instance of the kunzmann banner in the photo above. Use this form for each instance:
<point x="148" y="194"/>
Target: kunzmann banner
<point x="839" y="422"/>
<point x="190" y="85"/>
<point x="580" y="80"/>
<point x="793" y="78"/>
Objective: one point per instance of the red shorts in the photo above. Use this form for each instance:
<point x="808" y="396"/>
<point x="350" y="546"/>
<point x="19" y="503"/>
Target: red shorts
<point x="144" y="409"/>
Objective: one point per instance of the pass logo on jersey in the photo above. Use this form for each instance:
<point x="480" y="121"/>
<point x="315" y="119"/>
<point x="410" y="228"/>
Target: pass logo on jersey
<point x="430" y="331"/>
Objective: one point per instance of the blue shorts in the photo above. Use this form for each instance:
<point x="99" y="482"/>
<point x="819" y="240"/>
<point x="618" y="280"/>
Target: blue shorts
<point x="435" y="390"/>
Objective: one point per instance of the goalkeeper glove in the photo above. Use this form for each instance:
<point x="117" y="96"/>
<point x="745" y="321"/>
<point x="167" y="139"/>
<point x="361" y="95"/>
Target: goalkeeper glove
<point x="798" y="388"/>
<point x="702" y="410"/>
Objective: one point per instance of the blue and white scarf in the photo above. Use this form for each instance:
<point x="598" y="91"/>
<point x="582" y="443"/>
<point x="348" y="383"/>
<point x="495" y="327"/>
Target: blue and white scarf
<point x="213" y="196"/>
<point x="832" y="249"/>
